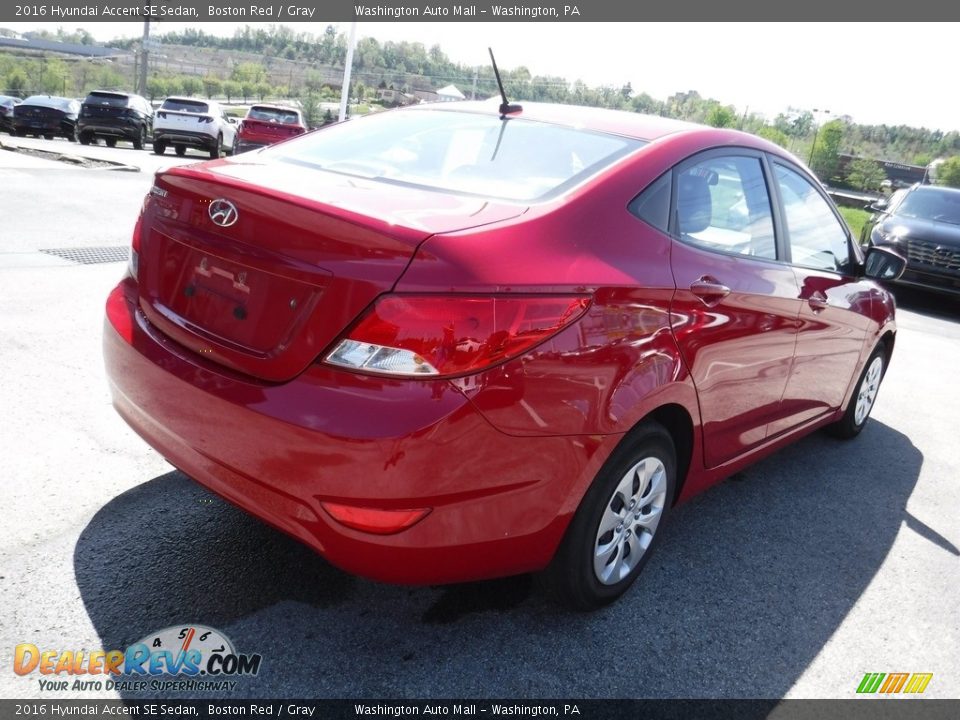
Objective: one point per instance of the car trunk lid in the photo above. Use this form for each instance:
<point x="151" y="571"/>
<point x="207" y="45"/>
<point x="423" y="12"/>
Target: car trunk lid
<point x="266" y="290"/>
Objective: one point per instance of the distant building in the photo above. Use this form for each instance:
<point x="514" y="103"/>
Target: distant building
<point x="394" y="97"/>
<point x="450" y="94"/>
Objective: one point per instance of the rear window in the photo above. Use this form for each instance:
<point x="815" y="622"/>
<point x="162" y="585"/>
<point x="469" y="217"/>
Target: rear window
<point x="110" y="99"/>
<point x="193" y="106"/>
<point x="277" y="115"/>
<point x="511" y="159"/>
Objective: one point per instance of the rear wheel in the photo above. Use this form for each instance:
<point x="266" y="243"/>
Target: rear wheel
<point x="86" y="138"/>
<point x="614" y="530"/>
<point x="181" y="150"/>
<point x="861" y="402"/>
<point x="48" y="136"/>
<point x="74" y="134"/>
<point x="110" y="141"/>
<point x="216" y="150"/>
<point x="159" y="147"/>
<point x="141" y="139"/>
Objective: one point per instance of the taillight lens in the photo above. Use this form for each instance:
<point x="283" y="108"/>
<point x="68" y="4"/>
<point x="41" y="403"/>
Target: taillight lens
<point x="134" y="264"/>
<point x="446" y="335"/>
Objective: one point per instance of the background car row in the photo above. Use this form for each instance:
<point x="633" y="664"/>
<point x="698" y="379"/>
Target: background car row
<point x="179" y="122"/>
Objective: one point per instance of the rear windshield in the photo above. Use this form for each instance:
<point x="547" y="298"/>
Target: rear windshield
<point x="111" y="99"/>
<point x="939" y="205"/>
<point x="194" y="106"/>
<point x="59" y="103"/>
<point x="269" y="114"/>
<point x="511" y="159"/>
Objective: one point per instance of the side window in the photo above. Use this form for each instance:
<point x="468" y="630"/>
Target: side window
<point x="722" y="204"/>
<point x="653" y="204"/>
<point x="817" y="238"/>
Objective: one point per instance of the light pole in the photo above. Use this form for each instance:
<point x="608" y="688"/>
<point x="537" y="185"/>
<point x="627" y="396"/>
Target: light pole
<point x="816" y="133"/>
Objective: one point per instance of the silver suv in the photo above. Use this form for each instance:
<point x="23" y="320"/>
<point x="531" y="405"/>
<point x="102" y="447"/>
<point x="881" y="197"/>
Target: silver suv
<point x="189" y="122"/>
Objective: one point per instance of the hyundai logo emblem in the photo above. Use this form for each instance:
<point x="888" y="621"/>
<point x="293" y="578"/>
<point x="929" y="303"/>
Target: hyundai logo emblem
<point x="223" y="212"/>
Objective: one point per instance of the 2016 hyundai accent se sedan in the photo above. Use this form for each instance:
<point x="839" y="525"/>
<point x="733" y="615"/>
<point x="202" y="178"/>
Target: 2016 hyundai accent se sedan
<point x="443" y="343"/>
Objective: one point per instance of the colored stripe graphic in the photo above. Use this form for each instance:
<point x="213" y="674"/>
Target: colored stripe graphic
<point x="870" y="682"/>
<point x="918" y="683"/>
<point x="894" y="683"/>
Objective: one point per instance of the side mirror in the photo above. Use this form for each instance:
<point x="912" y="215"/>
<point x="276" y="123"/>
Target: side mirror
<point x="878" y="206"/>
<point x="884" y="264"/>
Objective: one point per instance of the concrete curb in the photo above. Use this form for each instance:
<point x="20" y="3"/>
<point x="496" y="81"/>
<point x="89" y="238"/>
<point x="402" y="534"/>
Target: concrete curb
<point x="71" y="158"/>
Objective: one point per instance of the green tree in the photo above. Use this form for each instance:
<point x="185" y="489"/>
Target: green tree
<point x="774" y="135"/>
<point x="949" y="172"/>
<point x="232" y="89"/>
<point x="825" y="156"/>
<point x="156" y="87"/>
<point x="17" y="82"/>
<point x="310" y="107"/>
<point x="247" y="89"/>
<point x="263" y="89"/>
<point x="865" y="174"/>
<point x="721" y="117"/>
<point x="212" y="86"/>
<point x="191" y="85"/>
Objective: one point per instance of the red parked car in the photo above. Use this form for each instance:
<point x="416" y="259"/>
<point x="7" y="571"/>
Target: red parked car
<point x="267" y="124"/>
<point x="442" y="344"/>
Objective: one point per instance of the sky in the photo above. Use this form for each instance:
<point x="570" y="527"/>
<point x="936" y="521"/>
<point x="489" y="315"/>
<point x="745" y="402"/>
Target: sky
<point x="874" y="72"/>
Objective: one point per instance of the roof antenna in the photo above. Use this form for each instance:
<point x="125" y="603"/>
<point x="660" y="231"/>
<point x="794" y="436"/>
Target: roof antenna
<point x="505" y="107"/>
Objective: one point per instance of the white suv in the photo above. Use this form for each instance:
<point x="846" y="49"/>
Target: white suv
<point x="189" y="122"/>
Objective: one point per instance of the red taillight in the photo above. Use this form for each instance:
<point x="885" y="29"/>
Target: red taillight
<point x="373" y="520"/>
<point x="445" y="335"/>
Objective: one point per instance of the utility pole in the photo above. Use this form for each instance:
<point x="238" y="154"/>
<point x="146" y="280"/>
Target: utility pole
<point x="142" y="86"/>
<point x="348" y="66"/>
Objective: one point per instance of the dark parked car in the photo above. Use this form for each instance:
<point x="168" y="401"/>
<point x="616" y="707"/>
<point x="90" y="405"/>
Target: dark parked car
<point x="267" y="124"/>
<point x="443" y="343"/>
<point x="47" y="116"/>
<point x="922" y="223"/>
<point x="7" y="103"/>
<point x="115" y="116"/>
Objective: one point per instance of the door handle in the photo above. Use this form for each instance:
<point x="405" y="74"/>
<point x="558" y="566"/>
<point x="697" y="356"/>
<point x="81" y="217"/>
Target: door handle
<point x="817" y="301"/>
<point x="710" y="290"/>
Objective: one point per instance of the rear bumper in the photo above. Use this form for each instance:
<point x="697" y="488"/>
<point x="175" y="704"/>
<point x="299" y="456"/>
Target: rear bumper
<point x="246" y="145"/>
<point x="124" y="130"/>
<point x="184" y="137"/>
<point x="499" y="504"/>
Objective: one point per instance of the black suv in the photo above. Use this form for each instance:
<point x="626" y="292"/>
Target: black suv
<point x="922" y="223"/>
<point x="115" y="116"/>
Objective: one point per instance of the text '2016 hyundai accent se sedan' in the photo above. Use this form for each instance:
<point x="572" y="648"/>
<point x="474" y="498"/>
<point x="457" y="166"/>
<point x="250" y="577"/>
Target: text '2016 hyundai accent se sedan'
<point x="443" y="344"/>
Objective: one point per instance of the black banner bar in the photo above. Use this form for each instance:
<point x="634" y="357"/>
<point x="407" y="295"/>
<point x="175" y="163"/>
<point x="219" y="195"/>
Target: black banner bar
<point x="858" y="709"/>
<point x="291" y="11"/>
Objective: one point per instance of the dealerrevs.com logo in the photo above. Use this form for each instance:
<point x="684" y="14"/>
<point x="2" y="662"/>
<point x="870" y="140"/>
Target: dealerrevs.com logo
<point x="188" y="658"/>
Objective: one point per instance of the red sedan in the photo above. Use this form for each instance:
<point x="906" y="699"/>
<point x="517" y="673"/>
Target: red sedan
<point x="443" y="343"/>
<point x="267" y="124"/>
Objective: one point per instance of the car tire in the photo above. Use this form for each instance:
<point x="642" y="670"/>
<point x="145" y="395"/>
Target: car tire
<point x="141" y="139"/>
<point x="864" y="396"/>
<point x="74" y="135"/>
<point x="86" y="138"/>
<point x="110" y="141"/>
<point x="217" y="150"/>
<point x="235" y="148"/>
<point x="181" y="150"/>
<point x="159" y="147"/>
<point x="616" y="527"/>
<point x="48" y="136"/>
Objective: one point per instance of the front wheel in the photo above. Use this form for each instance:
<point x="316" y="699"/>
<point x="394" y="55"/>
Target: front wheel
<point x="159" y="147"/>
<point x="141" y="139"/>
<point x="614" y="530"/>
<point x="217" y="148"/>
<point x="861" y="402"/>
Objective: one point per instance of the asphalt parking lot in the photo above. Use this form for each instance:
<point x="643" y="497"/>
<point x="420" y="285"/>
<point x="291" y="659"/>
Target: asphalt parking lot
<point x="824" y="562"/>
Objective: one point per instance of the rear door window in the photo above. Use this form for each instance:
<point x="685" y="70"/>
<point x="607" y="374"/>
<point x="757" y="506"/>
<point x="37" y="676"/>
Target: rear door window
<point x="722" y="204"/>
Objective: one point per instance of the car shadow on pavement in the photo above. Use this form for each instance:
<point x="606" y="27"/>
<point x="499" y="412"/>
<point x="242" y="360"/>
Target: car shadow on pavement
<point x="750" y="581"/>
<point x="929" y="303"/>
